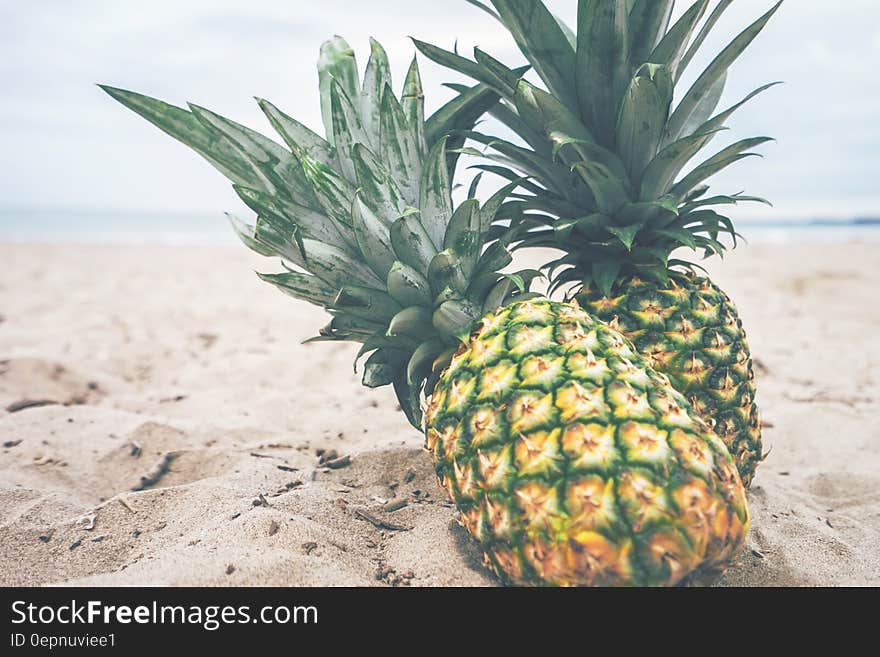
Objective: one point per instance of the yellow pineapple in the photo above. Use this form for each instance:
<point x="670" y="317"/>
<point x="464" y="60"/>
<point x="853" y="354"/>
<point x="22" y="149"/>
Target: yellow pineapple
<point x="573" y="462"/>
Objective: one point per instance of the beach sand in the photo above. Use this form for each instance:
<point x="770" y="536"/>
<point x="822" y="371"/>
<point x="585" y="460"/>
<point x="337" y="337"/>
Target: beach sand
<point x="175" y="371"/>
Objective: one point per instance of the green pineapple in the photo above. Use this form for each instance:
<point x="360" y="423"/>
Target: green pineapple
<point x="571" y="461"/>
<point x="605" y="149"/>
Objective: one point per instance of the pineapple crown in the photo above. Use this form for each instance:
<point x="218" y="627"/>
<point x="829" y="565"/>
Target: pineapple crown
<point x="363" y="220"/>
<point x="605" y="149"/>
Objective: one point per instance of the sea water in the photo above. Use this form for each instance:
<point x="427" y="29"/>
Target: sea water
<point x="115" y="227"/>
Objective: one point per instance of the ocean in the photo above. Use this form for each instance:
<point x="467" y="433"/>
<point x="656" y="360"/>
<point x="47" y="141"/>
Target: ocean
<point x="114" y="227"/>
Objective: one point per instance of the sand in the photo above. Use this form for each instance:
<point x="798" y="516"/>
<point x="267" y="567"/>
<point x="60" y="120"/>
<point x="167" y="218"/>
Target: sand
<point x="262" y="461"/>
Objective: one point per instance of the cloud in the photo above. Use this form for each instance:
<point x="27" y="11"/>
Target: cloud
<point x="71" y="146"/>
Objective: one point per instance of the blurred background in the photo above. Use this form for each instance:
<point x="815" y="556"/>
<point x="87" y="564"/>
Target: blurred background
<point x="79" y="167"/>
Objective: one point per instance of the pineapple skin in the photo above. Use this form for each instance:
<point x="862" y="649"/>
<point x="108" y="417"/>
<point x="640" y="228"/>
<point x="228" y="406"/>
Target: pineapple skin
<point x="573" y="463"/>
<point x="689" y="330"/>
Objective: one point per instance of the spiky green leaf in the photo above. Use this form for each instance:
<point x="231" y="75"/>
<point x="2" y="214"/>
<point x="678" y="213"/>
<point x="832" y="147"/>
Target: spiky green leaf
<point x="297" y="136"/>
<point x="337" y="268"/>
<point x="245" y="233"/>
<point x="302" y="286"/>
<point x="719" y="161"/>
<point x="399" y="147"/>
<point x="376" y="77"/>
<point x="701" y="36"/>
<point x="456" y="317"/>
<point x="464" y="234"/>
<point x="412" y="321"/>
<point x="333" y="191"/>
<point x="504" y="87"/>
<point x="408" y="396"/>
<point x="605" y="273"/>
<point x="411" y="243"/>
<point x="419" y="365"/>
<point x="548" y="114"/>
<point x="460" y="113"/>
<point x="642" y="119"/>
<point x="702" y="111"/>
<point x="680" y="236"/>
<point x="552" y="174"/>
<point x="336" y="62"/>
<point x="718" y="120"/>
<point x="490" y="209"/>
<point x="446" y="271"/>
<point x="269" y="161"/>
<point x="543" y="42"/>
<point x="497" y="296"/>
<point x="691" y="101"/>
<point x="408" y="286"/>
<point x="647" y="23"/>
<point x="602" y="64"/>
<point x="413" y="104"/>
<point x="626" y="234"/>
<point x="435" y="198"/>
<point x="379" y="371"/>
<point x="607" y="188"/>
<point x="673" y="45"/>
<point x="376" y="185"/>
<point x="373" y="238"/>
<point x="494" y="259"/>
<point x="369" y="303"/>
<point x="347" y="129"/>
<point x="287" y="216"/>
<point x="187" y="129"/>
<point x="668" y="163"/>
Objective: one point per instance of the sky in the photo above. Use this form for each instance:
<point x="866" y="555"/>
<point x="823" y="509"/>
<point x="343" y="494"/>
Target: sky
<point x="69" y="146"/>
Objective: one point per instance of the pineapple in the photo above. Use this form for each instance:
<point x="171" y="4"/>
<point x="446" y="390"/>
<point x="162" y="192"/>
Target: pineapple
<point x="570" y="459"/>
<point x="573" y="462"/>
<point x="604" y="153"/>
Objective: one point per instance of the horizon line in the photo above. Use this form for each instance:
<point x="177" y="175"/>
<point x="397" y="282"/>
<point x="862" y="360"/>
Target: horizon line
<point x="857" y="219"/>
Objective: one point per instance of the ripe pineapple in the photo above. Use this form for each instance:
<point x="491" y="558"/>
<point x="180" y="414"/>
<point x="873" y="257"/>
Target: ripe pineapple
<point x="572" y="462"/>
<point x="605" y="150"/>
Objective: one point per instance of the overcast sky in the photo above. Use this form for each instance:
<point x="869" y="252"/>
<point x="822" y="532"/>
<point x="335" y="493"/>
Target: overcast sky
<point x="67" y="145"/>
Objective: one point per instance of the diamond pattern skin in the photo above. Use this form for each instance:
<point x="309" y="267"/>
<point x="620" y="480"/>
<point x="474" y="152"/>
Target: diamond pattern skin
<point x="574" y="463"/>
<point x="690" y="331"/>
